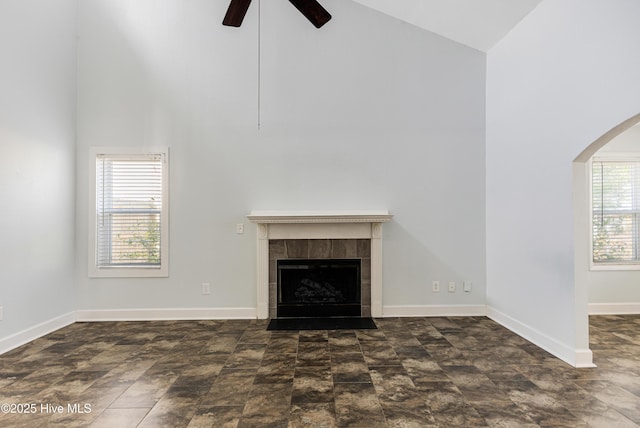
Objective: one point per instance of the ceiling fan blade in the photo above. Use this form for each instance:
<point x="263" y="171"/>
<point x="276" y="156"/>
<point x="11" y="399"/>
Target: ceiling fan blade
<point x="313" y="11"/>
<point x="236" y="12"/>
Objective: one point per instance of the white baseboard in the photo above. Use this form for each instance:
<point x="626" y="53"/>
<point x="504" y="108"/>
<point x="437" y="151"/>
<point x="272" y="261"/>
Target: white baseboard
<point x="434" y="311"/>
<point x="614" y="308"/>
<point x="35" y="332"/>
<point x="584" y="358"/>
<point x="165" y="314"/>
<point x="575" y="357"/>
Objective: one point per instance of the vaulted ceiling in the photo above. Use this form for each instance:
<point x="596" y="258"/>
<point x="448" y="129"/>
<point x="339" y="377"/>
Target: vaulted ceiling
<point x="479" y="24"/>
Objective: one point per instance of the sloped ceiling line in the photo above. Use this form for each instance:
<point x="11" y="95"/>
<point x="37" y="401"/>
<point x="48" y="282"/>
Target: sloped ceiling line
<point x="479" y="24"/>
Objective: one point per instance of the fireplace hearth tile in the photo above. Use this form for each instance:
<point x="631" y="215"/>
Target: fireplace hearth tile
<point x="363" y="248"/>
<point x="366" y="311"/>
<point x="321" y="324"/>
<point x="366" y="272"/>
<point x="344" y="248"/>
<point x="273" y="264"/>
<point x="365" y="291"/>
<point x="319" y="248"/>
<point x="297" y="248"/>
<point x="277" y="249"/>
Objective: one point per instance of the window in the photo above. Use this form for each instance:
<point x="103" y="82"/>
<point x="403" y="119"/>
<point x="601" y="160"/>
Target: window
<point x="129" y="215"/>
<point x="615" y="190"/>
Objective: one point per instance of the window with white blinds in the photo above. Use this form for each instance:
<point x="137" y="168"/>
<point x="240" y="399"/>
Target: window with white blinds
<point x="131" y="213"/>
<point x="615" y="190"/>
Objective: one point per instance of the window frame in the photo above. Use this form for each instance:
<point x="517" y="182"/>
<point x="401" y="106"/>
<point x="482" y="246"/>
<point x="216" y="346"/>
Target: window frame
<point x="608" y="157"/>
<point x="160" y="271"/>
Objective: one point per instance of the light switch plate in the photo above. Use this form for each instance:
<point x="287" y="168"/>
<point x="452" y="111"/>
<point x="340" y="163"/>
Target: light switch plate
<point x="206" y="288"/>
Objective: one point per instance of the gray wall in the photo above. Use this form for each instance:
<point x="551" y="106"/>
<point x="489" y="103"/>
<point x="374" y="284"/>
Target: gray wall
<point x="555" y="84"/>
<point x="37" y="127"/>
<point x="365" y="113"/>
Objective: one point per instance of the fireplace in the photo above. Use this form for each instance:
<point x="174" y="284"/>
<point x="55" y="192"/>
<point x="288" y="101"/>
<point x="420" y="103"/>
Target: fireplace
<point x="319" y="235"/>
<point x="319" y="288"/>
<point x="332" y="261"/>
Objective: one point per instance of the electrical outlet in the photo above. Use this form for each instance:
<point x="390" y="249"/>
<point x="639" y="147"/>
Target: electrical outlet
<point x="435" y="287"/>
<point x="452" y="287"/>
<point x="206" y="288"/>
<point x="240" y="228"/>
<point x="466" y="286"/>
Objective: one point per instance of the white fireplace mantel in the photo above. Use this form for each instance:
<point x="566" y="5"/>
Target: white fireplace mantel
<point x="318" y="225"/>
<point x="270" y="217"/>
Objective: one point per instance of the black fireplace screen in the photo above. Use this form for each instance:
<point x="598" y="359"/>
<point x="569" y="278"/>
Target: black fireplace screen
<point x="319" y="288"/>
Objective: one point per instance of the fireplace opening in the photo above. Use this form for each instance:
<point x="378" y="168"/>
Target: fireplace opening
<point x="319" y="288"/>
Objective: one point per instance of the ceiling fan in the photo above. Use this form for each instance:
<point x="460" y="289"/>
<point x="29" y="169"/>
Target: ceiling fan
<point x="311" y="9"/>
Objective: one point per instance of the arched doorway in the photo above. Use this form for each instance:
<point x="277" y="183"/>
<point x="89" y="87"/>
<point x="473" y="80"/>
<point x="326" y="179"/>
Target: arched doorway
<point x="581" y="225"/>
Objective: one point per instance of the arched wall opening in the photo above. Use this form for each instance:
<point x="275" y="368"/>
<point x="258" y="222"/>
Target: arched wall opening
<point x="582" y="223"/>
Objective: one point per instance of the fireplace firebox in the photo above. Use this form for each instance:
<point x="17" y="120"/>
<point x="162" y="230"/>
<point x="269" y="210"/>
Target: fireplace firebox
<point x="319" y="288"/>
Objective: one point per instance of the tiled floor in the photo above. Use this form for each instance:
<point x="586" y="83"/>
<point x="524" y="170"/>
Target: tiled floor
<point x="411" y="372"/>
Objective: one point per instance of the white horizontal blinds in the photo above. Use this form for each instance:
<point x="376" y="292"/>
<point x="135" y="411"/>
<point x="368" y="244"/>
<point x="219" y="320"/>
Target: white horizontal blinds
<point x="616" y="210"/>
<point x="129" y="210"/>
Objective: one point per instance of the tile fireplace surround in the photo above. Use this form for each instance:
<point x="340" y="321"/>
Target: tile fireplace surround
<point x="325" y="225"/>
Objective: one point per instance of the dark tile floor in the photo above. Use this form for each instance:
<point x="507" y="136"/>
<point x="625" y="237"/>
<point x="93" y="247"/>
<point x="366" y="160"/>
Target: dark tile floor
<point x="411" y="372"/>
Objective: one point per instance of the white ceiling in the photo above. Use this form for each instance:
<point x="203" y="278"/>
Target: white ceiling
<point x="479" y="24"/>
